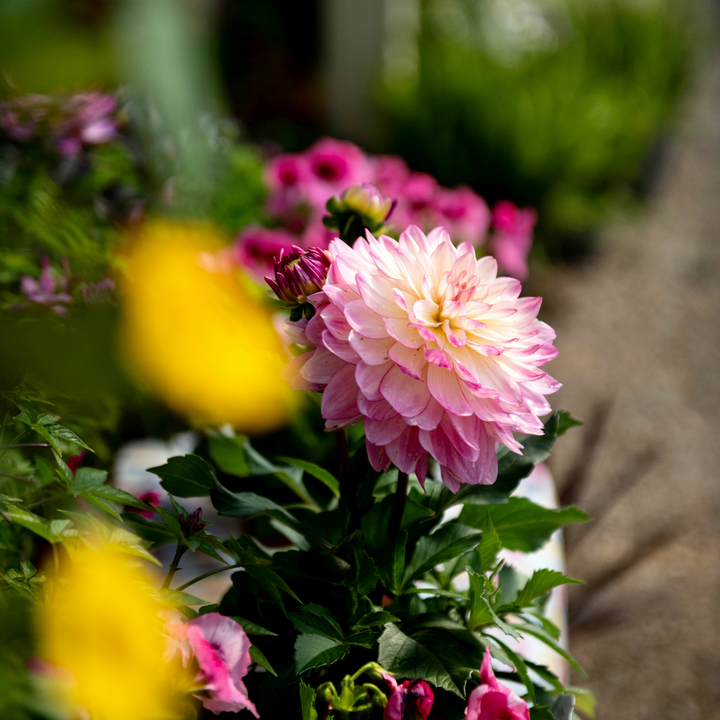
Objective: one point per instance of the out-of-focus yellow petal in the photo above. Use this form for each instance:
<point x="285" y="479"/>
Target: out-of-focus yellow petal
<point x="195" y="335"/>
<point x="103" y="630"/>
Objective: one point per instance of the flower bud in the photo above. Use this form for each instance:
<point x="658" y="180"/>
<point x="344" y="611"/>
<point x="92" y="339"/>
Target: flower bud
<point x="191" y="525"/>
<point x="299" y="274"/>
<point x="361" y="207"/>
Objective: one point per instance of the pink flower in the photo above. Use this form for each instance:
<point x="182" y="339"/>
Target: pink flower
<point x="286" y="172"/>
<point x="150" y="498"/>
<point x="463" y="213"/>
<point x="89" y="121"/>
<point x="256" y="248"/>
<point x="411" y="700"/>
<point x="435" y="353"/>
<point x="513" y="237"/>
<point x="491" y="700"/>
<point x="390" y="174"/>
<point x="298" y="274"/>
<point x="222" y="651"/>
<point x="334" y="165"/>
<point x="47" y="290"/>
<point x="75" y="461"/>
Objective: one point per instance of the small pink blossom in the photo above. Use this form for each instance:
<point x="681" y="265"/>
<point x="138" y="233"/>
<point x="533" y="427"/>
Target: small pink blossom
<point x="151" y="498"/>
<point x="88" y="121"/>
<point x="463" y="213"/>
<point x="492" y="700"/>
<point x="75" y="461"/>
<point x="416" y="201"/>
<point x="222" y="651"/>
<point x="390" y="173"/>
<point x="513" y="237"/>
<point x="47" y="290"/>
<point x="435" y="353"/>
<point x="334" y="165"/>
<point x="411" y="700"/>
<point x="256" y="249"/>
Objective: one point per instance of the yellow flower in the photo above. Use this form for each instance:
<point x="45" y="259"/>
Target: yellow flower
<point x="103" y="631"/>
<point x="195" y="334"/>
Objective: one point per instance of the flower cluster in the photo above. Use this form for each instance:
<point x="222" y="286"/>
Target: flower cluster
<point x="301" y="184"/>
<point x="70" y="125"/>
<point x="435" y="353"/>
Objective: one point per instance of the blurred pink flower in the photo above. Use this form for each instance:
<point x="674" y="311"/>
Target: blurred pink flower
<point x="21" y="117"/>
<point x="431" y="349"/>
<point x="47" y="290"/>
<point x="333" y="166"/>
<point x="390" y="173"/>
<point x="75" y="461"/>
<point x="88" y="121"/>
<point x="151" y="498"/>
<point x="513" y="237"/>
<point x="256" y="249"/>
<point x="415" y="202"/>
<point x="492" y="700"/>
<point x="463" y="213"/>
<point x="411" y="700"/>
<point x="222" y="651"/>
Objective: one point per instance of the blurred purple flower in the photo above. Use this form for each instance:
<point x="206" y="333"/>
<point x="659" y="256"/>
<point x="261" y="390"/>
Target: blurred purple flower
<point x="47" y="290"/>
<point x="513" y="237"/>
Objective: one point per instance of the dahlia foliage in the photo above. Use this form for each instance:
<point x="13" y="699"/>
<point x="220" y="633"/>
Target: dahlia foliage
<point x="331" y="524"/>
<point x="430" y="349"/>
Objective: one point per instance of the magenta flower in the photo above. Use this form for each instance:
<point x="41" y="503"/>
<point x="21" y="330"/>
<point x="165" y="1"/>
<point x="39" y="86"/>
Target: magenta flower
<point x="492" y="700"/>
<point x="222" y="651"/>
<point x="286" y="172"/>
<point x="47" y="290"/>
<point x="435" y="353"/>
<point x="463" y="213"/>
<point x="151" y="498"/>
<point x="513" y="237"/>
<point x="256" y="249"/>
<point x="411" y="700"/>
<point x="298" y="274"/>
<point x="88" y="121"/>
<point x="333" y="166"/>
<point x="75" y="461"/>
<point x="21" y="118"/>
<point x="390" y="174"/>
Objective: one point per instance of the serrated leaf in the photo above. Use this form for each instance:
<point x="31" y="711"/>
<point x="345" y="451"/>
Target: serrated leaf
<point x="566" y="421"/>
<point x="429" y="655"/>
<point x="248" y="626"/>
<point x="229" y="454"/>
<point x="366" y="575"/>
<point x="268" y="577"/>
<point x="376" y="618"/>
<point x="307" y="702"/>
<point x="313" y="619"/>
<point x="521" y="524"/>
<point x="437" y="592"/>
<point x="364" y="638"/>
<point x="312" y="651"/>
<point x="489" y="545"/>
<point x="257" y="657"/>
<point x="63" y="433"/>
<point x="186" y="476"/>
<point x="446" y="543"/>
<point x="177" y="597"/>
<point x="98" y="502"/>
<point x="388" y="553"/>
<point x="551" y="643"/>
<point x="87" y="478"/>
<point x="319" y="473"/>
<point x="520" y="667"/>
<point x="116" y="495"/>
<point x="541" y="582"/>
<point x="30" y="521"/>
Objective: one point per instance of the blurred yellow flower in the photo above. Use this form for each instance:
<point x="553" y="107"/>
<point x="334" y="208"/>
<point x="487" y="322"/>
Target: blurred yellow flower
<point x="103" y="631"/>
<point x="196" y="335"/>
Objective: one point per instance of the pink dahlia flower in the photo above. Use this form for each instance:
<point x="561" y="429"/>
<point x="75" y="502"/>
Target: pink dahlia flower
<point x="491" y="700"/>
<point x="333" y="166"/>
<point x="513" y="237"/>
<point x="435" y="353"/>
<point x="222" y="651"/>
<point x="256" y="249"/>
<point x="463" y="213"/>
<point x="411" y="700"/>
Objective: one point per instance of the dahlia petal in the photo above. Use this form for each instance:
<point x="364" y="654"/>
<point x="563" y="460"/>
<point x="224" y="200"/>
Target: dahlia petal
<point x="385" y="431"/>
<point x="403" y="332"/>
<point x="421" y="469"/>
<point x="364" y="321"/>
<point x="378" y="295"/>
<point x="409" y="361"/>
<point x="369" y="377"/>
<point x="407" y="395"/>
<point x="371" y="351"/>
<point x="321" y="366"/>
<point x="437" y="357"/>
<point x="429" y="418"/>
<point x="404" y="451"/>
<point x="295" y="331"/>
<point x="445" y="388"/>
<point x="342" y="349"/>
<point x="291" y="373"/>
<point x="376" y="410"/>
<point x="377" y="456"/>
<point x="336" y="322"/>
<point x="339" y="400"/>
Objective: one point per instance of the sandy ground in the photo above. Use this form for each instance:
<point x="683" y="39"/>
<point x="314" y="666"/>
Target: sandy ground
<point x="639" y="338"/>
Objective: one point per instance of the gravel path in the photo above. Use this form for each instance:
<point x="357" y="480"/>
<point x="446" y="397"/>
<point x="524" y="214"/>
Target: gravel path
<point x="639" y="338"/>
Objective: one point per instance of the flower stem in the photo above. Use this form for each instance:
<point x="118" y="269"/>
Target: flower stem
<point x="347" y="490"/>
<point x="23" y="445"/>
<point x="179" y="552"/>
<point x="399" y="504"/>
<point x="343" y="456"/>
<point x="208" y="574"/>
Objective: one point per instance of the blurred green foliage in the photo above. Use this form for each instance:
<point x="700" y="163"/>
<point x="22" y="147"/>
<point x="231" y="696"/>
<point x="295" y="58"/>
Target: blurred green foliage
<point x="559" y="105"/>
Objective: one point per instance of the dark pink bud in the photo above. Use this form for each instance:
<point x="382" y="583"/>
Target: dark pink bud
<point x="412" y="700"/>
<point x="298" y="274"/>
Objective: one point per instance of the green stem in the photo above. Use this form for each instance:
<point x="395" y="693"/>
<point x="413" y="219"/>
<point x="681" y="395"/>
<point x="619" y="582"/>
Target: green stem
<point x="208" y="574"/>
<point x="179" y="552"/>
<point x="23" y="445"/>
<point x="44" y="500"/>
<point x="398" y="505"/>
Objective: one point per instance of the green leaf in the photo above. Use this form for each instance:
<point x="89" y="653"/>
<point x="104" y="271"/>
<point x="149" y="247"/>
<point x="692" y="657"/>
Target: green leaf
<point x="364" y="638"/>
<point x="566" y="421"/>
<point x="546" y="675"/>
<point x="431" y="655"/>
<point x="324" y="476"/>
<point x="539" y="712"/>
<point x="307" y="702"/>
<point x="521" y="524"/>
<point x="366" y="575"/>
<point x="551" y="643"/>
<point x="444" y="544"/>
<point x="268" y="578"/>
<point x="376" y="618"/>
<point x="62" y="433"/>
<point x="312" y="651"/>
<point x="153" y="531"/>
<point x="314" y="619"/>
<point x="98" y="502"/>
<point x="229" y="454"/>
<point x="584" y="701"/>
<point x="437" y="592"/>
<point x="542" y="581"/>
<point x="87" y="478"/>
<point x="187" y="476"/>
<point x="481" y="612"/>
<point x="30" y="521"/>
<point x="116" y="495"/>
<point x="258" y="657"/>
<point x="249" y="627"/>
<point x="489" y="545"/>
<point x="389" y="554"/>
<point x="177" y="597"/>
